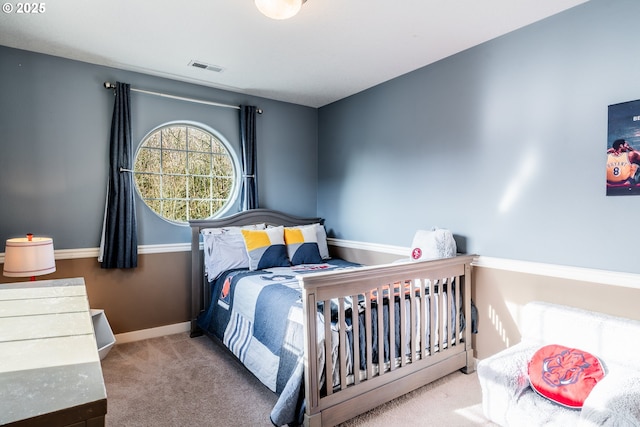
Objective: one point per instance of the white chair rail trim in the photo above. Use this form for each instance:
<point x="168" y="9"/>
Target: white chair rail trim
<point x="605" y="277"/>
<point x="93" y="252"/>
<point x="374" y="247"/>
<point x="613" y="278"/>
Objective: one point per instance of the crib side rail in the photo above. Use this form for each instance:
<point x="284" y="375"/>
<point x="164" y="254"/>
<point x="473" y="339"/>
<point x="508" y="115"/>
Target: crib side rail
<point x="425" y="292"/>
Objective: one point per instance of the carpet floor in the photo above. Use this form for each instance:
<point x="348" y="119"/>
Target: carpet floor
<point x="180" y="381"/>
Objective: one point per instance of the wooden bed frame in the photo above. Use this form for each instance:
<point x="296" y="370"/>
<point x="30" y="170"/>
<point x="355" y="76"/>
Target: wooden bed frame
<point x="424" y="362"/>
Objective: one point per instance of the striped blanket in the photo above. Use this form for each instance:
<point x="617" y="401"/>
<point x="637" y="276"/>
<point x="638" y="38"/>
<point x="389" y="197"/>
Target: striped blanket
<point x="258" y="316"/>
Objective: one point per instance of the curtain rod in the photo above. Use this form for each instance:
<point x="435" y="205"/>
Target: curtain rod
<point x="109" y="85"/>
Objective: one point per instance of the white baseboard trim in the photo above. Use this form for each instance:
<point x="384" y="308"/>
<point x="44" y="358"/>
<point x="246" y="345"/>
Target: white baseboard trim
<point x="160" y="331"/>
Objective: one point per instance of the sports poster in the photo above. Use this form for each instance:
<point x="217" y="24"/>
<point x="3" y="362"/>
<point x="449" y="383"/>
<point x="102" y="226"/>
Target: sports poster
<point x="623" y="149"/>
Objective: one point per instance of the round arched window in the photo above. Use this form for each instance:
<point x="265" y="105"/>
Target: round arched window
<point x="186" y="171"/>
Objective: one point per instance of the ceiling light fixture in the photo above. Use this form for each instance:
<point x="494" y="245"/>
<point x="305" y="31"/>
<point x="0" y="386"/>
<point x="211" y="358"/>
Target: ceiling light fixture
<point x="279" y="9"/>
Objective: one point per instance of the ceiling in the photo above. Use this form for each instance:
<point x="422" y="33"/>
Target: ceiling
<point x="330" y="50"/>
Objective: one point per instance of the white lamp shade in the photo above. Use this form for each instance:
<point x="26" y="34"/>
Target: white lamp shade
<point x="279" y="9"/>
<point x="24" y="257"/>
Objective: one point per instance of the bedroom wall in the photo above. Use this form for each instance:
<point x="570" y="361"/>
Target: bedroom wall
<point x="504" y="144"/>
<point x="54" y="133"/>
<point x="55" y="124"/>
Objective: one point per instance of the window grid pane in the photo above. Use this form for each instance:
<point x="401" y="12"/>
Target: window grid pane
<point x="183" y="172"/>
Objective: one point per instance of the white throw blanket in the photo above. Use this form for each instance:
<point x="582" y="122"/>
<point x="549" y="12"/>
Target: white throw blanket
<point x="614" y="401"/>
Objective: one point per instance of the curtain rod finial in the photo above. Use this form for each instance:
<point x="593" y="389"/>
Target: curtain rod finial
<point x="109" y="85"/>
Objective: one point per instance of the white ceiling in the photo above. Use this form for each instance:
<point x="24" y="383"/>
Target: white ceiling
<point x="330" y="50"/>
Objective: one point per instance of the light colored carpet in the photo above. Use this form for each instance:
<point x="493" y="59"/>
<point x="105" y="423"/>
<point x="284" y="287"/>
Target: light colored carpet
<point x="180" y="381"/>
<point x="451" y="401"/>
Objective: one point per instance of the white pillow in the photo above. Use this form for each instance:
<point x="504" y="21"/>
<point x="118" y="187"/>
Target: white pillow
<point x="432" y="244"/>
<point x="321" y="237"/>
<point x="224" y="249"/>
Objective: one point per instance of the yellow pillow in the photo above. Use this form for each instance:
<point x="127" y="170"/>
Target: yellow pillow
<point x="302" y="245"/>
<point x="266" y="248"/>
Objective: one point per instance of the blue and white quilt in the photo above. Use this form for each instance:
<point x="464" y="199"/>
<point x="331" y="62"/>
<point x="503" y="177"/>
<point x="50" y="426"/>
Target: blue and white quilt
<point x="258" y="316"/>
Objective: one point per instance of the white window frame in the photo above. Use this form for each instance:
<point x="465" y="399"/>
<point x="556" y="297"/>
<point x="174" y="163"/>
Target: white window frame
<point x="234" y="194"/>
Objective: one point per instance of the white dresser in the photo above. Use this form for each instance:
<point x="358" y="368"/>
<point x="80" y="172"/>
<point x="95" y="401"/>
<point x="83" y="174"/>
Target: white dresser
<point x="50" y="373"/>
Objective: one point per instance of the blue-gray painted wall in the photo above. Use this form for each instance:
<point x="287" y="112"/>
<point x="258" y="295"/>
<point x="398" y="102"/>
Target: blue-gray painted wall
<point x="504" y="144"/>
<point x="55" y="118"/>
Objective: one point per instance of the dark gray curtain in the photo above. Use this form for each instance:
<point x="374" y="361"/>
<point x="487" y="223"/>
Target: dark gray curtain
<point x="119" y="247"/>
<point x="249" y="195"/>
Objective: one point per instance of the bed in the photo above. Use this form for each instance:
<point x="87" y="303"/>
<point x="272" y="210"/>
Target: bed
<point x="286" y="342"/>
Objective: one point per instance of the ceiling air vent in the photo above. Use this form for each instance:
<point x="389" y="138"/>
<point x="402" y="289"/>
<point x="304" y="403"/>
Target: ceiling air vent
<point x="204" y="66"/>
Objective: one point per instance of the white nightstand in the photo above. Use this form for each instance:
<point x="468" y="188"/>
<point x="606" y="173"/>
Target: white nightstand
<point x="50" y="371"/>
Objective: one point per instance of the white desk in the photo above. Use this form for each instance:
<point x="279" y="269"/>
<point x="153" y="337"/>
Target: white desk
<point x="50" y="373"/>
